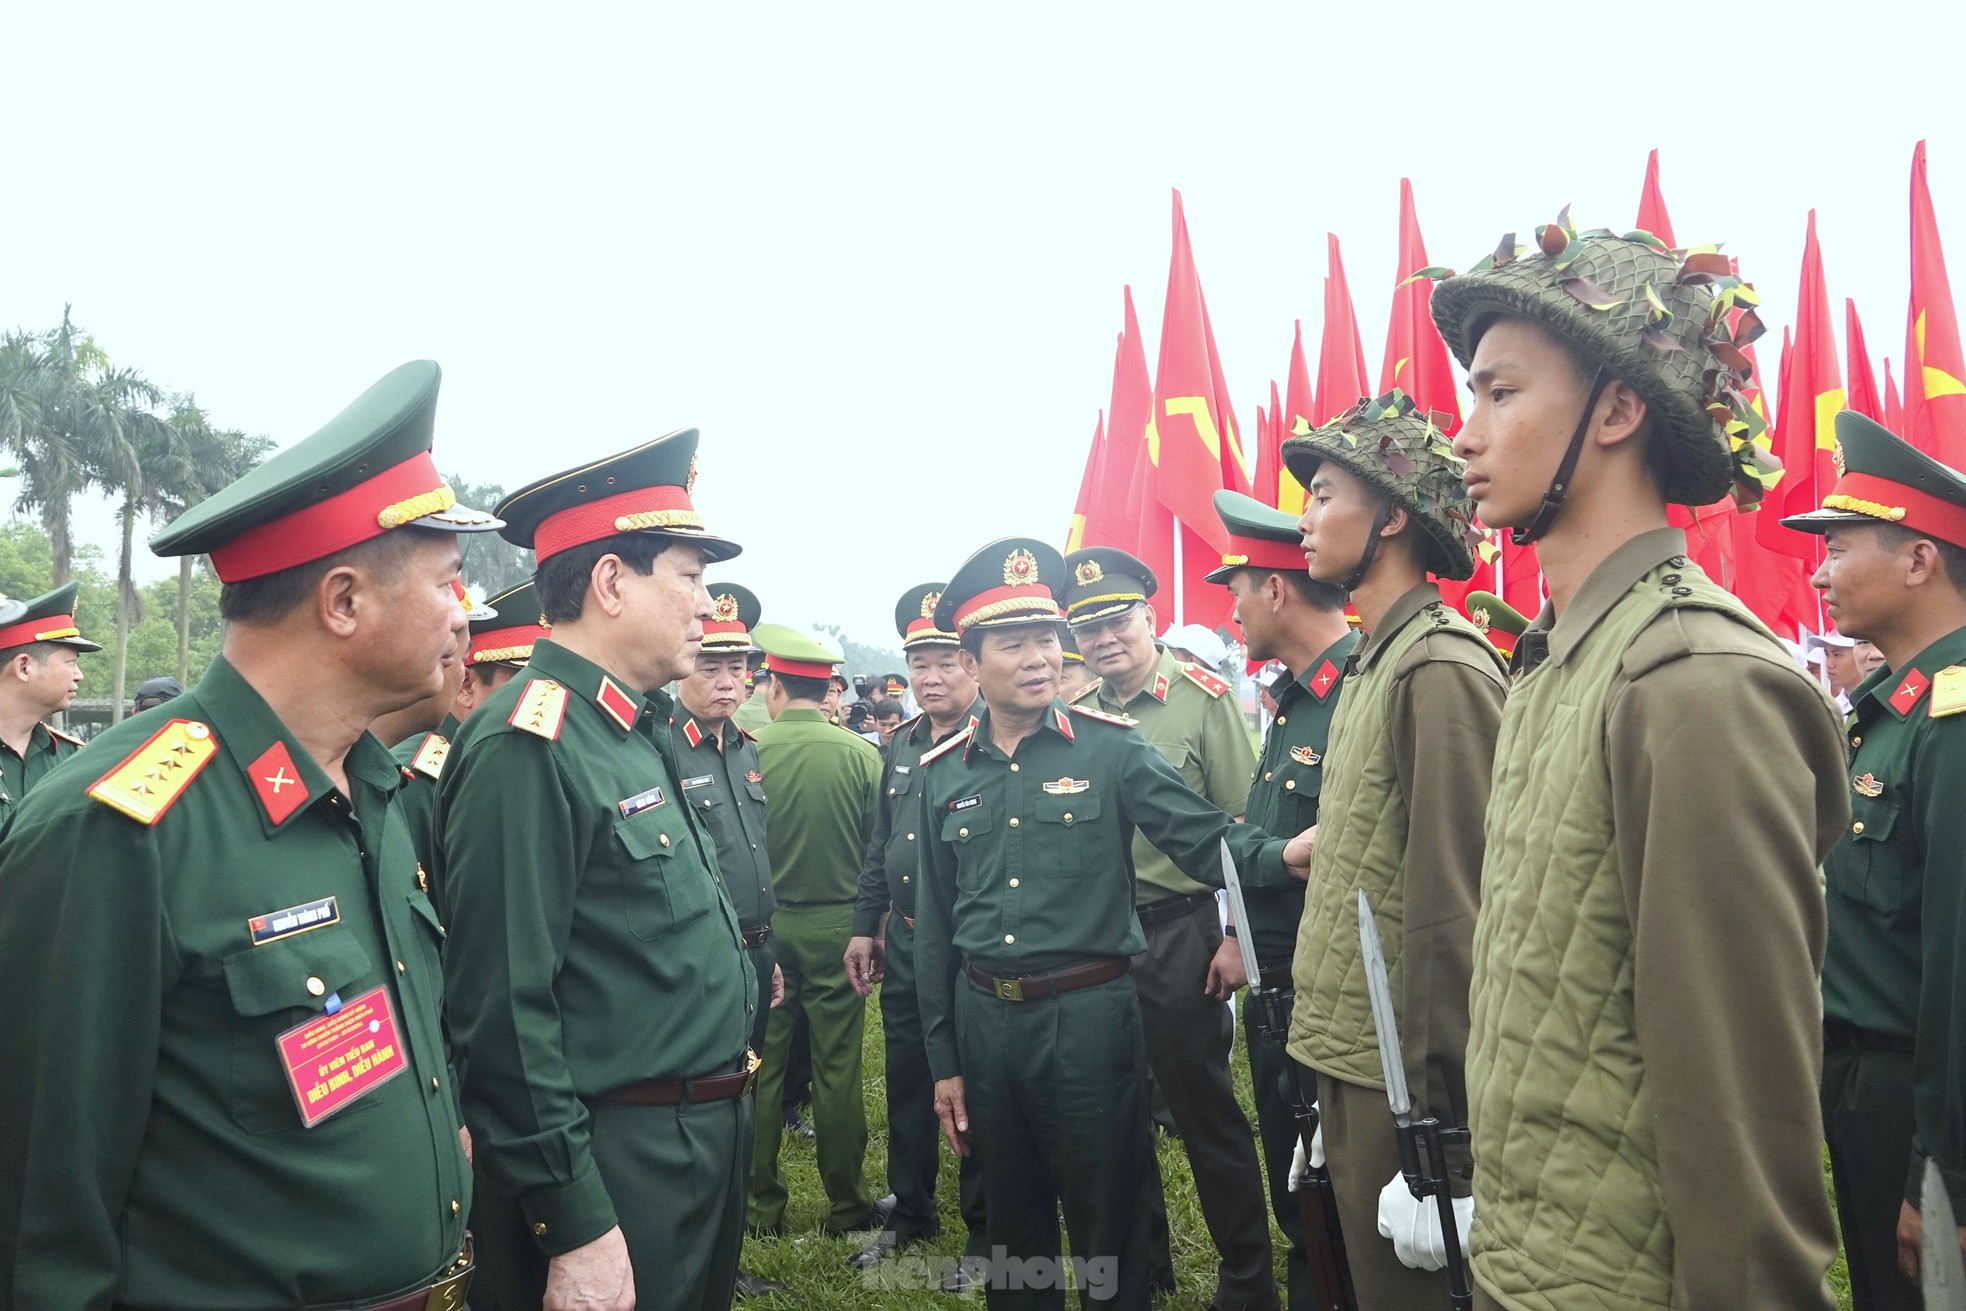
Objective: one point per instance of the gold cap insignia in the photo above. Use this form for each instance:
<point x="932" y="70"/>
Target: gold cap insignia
<point x="724" y="610"/>
<point x="929" y="601"/>
<point x="1089" y="573"/>
<point x="1836" y="458"/>
<point x="689" y="481"/>
<point x="1020" y="568"/>
<point x="1481" y="617"/>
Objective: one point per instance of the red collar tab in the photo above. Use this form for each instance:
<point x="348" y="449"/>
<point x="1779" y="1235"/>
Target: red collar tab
<point x="1064" y="723"/>
<point x="1324" y="680"/>
<point x="692" y="732"/>
<point x="1159" y="689"/>
<point x="620" y="707"/>
<point x="370" y="508"/>
<point x="276" y="782"/>
<point x="45" y="629"/>
<point x="645" y="508"/>
<point x="1911" y="687"/>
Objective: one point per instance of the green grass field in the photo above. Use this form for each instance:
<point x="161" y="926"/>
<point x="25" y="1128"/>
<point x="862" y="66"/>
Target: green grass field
<point x="814" y="1266"/>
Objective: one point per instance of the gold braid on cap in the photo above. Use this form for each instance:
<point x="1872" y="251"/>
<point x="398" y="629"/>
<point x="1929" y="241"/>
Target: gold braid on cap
<point x="629" y="523"/>
<point x="54" y="633"/>
<point x="1040" y="610"/>
<point x="1857" y="505"/>
<point x="1085" y="601"/>
<point x="493" y="655"/>
<point x="416" y="507"/>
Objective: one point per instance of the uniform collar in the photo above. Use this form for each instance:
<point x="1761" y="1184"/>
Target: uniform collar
<point x="801" y="715"/>
<point x="1409" y="607"/>
<point x="921" y="732"/>
<point x="1166" y="669"/>
<point x="616" y="703"/>
<point x="1902" y="691"/>
<point x="1607" y="585"/>
<point x="1057" y="721"/>
<point x="281" y="775"/>
<point x="1321" y="678"/>
<point x="696" y="732"/>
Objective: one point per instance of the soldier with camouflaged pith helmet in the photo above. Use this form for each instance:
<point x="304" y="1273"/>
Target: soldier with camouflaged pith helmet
<point x="1399" y="817"/>
<point x="1645" y="1032"/>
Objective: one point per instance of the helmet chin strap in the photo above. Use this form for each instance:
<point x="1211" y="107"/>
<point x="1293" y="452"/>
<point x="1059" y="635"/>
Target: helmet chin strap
<point x="1372" y="540"/>
<point x="1560" y="485"/>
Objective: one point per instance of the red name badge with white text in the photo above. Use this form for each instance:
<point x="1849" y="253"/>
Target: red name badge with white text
<point x="333" y="1060"/>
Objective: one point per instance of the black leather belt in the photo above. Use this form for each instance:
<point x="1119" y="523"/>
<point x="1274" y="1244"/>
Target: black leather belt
<point x="1037" y="987"/>
<point x="1842" y="1033"/>
<point x="687" y="1092"/>
<point x="1172" y="908"/>
<point x="756" y="937"/>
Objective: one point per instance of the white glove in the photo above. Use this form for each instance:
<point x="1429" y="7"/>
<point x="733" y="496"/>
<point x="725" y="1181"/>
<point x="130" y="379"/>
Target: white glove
<point x="1302" y="1165"/>
<point x="1414" y="1225"/>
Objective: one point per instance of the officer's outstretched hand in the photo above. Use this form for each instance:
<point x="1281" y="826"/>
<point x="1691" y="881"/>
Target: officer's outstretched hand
<point x="1297" y="854"/>
<point x="593" y="1277"/>
<point x="777" y="986"/>
<point x="866" y="963"/>
<point x="1225" y="971"/>
<point x="949" y="1109"/>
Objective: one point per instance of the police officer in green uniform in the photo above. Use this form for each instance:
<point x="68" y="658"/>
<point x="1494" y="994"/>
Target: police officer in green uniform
<point x="823" y="784"/>
<point x="1286" y="615"/>
<point x="39" y="676"/>
<point x="599" y="993"/>
<point x="723" y="784"/>
<point x="882" y="949"/>
<point x="1188" y="968"/>
<point x="1894" y="976"/>
<point x="225" y="1083"/>
<point x="1026" y="934"/>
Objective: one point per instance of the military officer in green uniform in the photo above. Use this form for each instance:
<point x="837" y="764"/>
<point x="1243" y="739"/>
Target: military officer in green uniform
<point x="1074" y="678"/>
<point x="600" y="997"/>
<point x="39" y="676"/>
<point x="1026" y="935"/>
<point x="1285" y="615"/>
<point x="752" y="714"/>
<point x="502" y="630"/>
<point x="1188" y="969"/>
<point x="823" y="784"/>
<point x="1408" y="760"/>
<point x="882" y="949"/>
<point x="225" y="1083"/>
<point x="1894" y="977"/>
<point x="1645" y="1030"/>
<point x="1500" y="622"/>
<point x="723" y="784"/>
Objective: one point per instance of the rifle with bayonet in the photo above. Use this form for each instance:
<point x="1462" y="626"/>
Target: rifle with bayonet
<point x="1317" y="1202"/>
<point x="1423" y="1143"/>
<point x="1941" y="1271"/>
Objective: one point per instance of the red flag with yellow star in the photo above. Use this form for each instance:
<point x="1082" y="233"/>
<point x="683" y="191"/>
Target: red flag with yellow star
<point x="1894" y="409"/>
<point x="1805" y="438"/>
<point x="1191" y="435"/>
<point x="1863" y="397"/>
<point x="1089" y="481"/>
<point x="1341" y="358"/>
<point x="1935" y="364"/>
<point x="1771" y="583"/>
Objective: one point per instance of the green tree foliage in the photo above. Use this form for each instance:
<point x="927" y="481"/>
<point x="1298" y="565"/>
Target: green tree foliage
<point x="491" y="563"/>
<point x="862" y="659"/>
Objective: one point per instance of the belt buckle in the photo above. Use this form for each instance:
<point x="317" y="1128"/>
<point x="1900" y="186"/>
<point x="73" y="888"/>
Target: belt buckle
<point x="752" y="1064"/>
<point x="1010" y="989"/>
<point x="447" y="1294"/>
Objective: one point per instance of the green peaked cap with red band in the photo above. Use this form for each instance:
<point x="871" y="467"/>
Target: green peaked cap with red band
<point x="1882" y="478"/>
<point x="366" y="472"/>
<point x="792" y="653"/>
<point x="1260" y="537"/>
<point x="645" y="489"/>
<point x="1013" y="580"/>
<point x="49" y="617"/>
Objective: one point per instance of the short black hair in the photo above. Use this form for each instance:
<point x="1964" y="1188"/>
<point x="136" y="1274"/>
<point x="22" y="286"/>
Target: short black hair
<point x="800" y="688"/>
<point x="883" y="708"/>
<point x="488" y="674"/>
<point x="1893" y="536"/>
<point x="37" y="651"/>
<point x="562" y="579"/>
<point x="1322" y="597"/>
<point x="270" y="598"/>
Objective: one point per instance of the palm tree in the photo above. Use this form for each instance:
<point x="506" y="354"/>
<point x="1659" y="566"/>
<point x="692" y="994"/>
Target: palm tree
<point x="135" y="455"/>
<point x="209" y="459"/>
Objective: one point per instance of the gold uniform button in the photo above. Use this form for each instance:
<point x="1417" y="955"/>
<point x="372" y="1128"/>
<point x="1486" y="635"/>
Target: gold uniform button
<point x="400" y="967"/>
<point x="706" y="803"/>
<point x="1290" y="785"/>
<point x="1013" y="821"/>
<point x="1010" y="937"/>
<point x="315" y="987"/>
<point x="962" y="832"/>
<point x="663" y="839"/>
<point x="890" y="791"/>
<point x="433" y="1083"/>
<point x="1856" y="739"/>
<point x="1013" y="883"/>
<point x="1857" y="827"/>
<point x="455" y="1208"/>
<point x="1013" y="766"/>
<point x="911" y="837"/>
<point x="1283" y="719"/>
<point x="539" y="1229"/>
<point x="906" y="877"/>
<point x="1068" y="817"/>
<point x="1266" y="776"/>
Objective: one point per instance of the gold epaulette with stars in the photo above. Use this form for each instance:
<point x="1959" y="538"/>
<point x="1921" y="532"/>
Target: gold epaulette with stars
<point x="154" y="776"/>
<point x="430" y="757"/>
<point x="1122" y="721"/>
<point x="1948" y="692"/>
<point x="1212" y="684"/>
<point x="1089" y="690"/>
<point x="948" y="744"/>
<point x="541" y="708"/>
<point x="69" y="738"/>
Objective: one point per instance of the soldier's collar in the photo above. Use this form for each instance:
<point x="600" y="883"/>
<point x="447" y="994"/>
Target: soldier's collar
<point x="1167" y="668"/>
<point x="283" y="778"/>
<point x="1057" y="720"/>
<point x="1608" y="585"/>
<point x="1903" y="691"/>
<point x="921" y="731"/>
<point x="1325" y="672"/>
<point x="616" y="703"/>
<point x="1411" y="604"/>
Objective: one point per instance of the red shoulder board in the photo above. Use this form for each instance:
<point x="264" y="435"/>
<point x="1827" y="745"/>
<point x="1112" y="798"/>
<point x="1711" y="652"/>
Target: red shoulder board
<point x="948" y="744"/>
<point x="541" y="708"/>
<point x="1120" y="720"/>
<point x="154" y="776"/>
<point x="1213" y="684"/>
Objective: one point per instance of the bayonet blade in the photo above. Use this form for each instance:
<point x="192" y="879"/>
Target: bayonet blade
<point x="1245" y="942"/>
<point x="1384" y="1018"/>
<point x="1939" y="1265"/>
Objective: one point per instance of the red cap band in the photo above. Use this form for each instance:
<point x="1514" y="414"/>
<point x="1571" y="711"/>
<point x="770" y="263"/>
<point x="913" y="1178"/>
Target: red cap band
<point x="797" y="668"/>
<point x="1262" y="553"/>
<point x="318" y="530"/>
<point x="628" y="512"/>
<point x="45" y="629"/>
<point x="1906" y="506"/>
<point x="501" y="640"/>
<point x="716" y="628"/>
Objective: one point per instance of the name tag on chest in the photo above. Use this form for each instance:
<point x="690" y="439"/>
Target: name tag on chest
<point x="700" y="781"/>
<point x="967" y="803"/>
<point x="635" y="805"/>
<point x="294" y="919"/>
<point x="337" y="1059"/>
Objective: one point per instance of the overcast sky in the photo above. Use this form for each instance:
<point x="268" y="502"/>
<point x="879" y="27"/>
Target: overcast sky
<point x="875" y="252"/>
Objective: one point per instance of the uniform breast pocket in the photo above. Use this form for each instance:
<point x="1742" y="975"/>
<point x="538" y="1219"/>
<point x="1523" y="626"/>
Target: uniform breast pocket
<point x="664" y="886"/>
<point x="1297" y="786"/>
<point x="1875" y="873"/>
<point x="273" y="989"/>
<point x="756" y="791"/>
<point x="1067" y="843"/>
<point x="900" y="791"/>
<point x="964" y="830"/>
